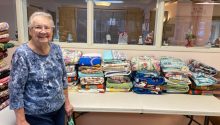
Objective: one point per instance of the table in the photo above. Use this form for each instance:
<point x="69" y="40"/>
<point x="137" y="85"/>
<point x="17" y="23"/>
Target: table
<point x="176" y="104"/>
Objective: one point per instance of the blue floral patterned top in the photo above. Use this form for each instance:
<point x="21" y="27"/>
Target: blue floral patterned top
<point x="36" y="81"/>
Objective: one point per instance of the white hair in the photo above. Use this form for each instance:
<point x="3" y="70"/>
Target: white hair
<point x="40" y="13"/>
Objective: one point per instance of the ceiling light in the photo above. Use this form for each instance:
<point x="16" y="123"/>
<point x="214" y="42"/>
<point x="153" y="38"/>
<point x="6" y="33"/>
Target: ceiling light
<point x="207" y="3"/>
<point x="102" y="3"/>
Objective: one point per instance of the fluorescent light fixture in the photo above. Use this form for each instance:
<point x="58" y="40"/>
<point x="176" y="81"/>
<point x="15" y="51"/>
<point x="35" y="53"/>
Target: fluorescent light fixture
<point x="115" y="1"/>
<point x="207" y="3"/>
<point x="102" y="3"/>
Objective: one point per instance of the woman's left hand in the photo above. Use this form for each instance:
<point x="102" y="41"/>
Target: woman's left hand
<point x="69" y="109"/>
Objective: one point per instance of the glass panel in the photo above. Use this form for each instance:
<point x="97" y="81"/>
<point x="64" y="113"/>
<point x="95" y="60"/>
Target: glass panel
<point x="192" y="23"/>
<point x="8" y="15"/>
<point x="69" y="17"/>
<point x="124" y="22"/>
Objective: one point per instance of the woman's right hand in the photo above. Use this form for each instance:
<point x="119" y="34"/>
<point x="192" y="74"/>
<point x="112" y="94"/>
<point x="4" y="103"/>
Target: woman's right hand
<point x="23" y="122"/>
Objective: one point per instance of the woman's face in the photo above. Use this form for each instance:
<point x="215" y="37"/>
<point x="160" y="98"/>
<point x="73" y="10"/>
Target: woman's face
<point x="41" y="30"/>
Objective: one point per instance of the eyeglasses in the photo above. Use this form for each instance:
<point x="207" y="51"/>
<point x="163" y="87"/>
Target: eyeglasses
<point x="39" y="28"/>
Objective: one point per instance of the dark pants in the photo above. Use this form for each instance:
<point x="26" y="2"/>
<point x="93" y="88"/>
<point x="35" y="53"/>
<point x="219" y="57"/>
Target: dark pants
<point x="53" y="118"/>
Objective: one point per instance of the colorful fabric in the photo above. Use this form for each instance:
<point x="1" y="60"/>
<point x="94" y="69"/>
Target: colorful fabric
<point x="4" y="104"/>
<point x="198" y="67"/>
<point x="4" y="32"/>
<point x="176" y="88"/>
<point x="201" y="79"/>
<point x="2" y="64"/>
<point x="4" y="73"/>
<point x="6" y="46"/>
<point x="118" y="79"/>
<point x="122" y="66"/>
<point x="172" y="64"/>
<point x="5" y="40"/>
<point x="117" y="90"/>
<point x="101" y="74"/>
<point x="157" y="90"/>
<point x="4" y="36"/>
<point x="89" y="61"/>
<point x="4" y="26"/>
<point x="177" y="78"/>
<point x="4" y="93"/>
<point x="4" y="80"/>
<point x="113" y="56"/>
<point x="90" y="69"/>
<point x="149" y="63"/>
<point x="127" y="85"/>
<point x="71" y="56"/>
<point x="91" y="80"/>
<point x="200" y="92"/>
<point x="70" y="68"/>
<point x="117" y="73"/>
<point x="3" y="99"/>
<point x="3" y="55"/>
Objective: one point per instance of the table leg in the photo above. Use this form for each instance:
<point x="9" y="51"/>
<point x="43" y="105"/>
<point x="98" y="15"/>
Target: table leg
<point x="206" y="120"/>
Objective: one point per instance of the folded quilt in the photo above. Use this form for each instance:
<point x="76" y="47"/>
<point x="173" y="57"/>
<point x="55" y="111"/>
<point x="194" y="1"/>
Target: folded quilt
<point x="170" y="64"/>
<point x="200" y="92"/>
<point x="177" y="78"/>
<point x="3" y="55"/>
<point x="4" y="36"/>
<point x="201" y="79"/>
<point x="123" y="66"/>
<point x="3" y="87"/>
<point x="4" y="32"/>
<point x="72" y="79"/>
<point x="198" y="67"/>
<point x="118" y="79"/>
<point x="149" y="63"/>
<point x="145" y="85"/>
<point x="4" y="73"/>
<point x="128" y="85"/>
<point x="176" y="88"/>
<point x="101" y="74"/>
<point x="89" y="61"/>
<point x="117" y="90"/>
<point x="4" y="93"/>
<point x="4" y="104"/>
<point x="71" y="56"/>
<point x="117" y="73"/>
<point x="70" y="68"/>
<point x="4" y="80"/>
<point x="137" y="90"/>
<point x="72" y="74"/>
<point x="4" y="26"/>
<point x="91" y="90"/>
<point x="3" y="99"/>
<point x="210" y="87"/>
<point x="90" y="69"/>
<point x="91" y="80"/>
<point x="4" y="46"/>
<point x="5" y="40"/>
<point x="113" y="55"/>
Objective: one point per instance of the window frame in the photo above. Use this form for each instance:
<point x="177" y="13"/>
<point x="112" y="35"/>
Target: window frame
<point x="22" y="25"/>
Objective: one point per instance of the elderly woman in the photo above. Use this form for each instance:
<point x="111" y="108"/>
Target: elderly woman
<point x="38" y="87"/>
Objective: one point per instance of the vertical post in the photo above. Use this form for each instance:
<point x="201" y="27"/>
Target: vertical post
<point x="21" y="11"/>
<point x="90" y="21"/>
<point x="159" y="23"/>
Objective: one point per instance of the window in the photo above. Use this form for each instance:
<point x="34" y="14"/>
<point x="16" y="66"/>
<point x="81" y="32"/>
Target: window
<point x="125" y="22"/>
<point x="161" y="25"/>
<point x="69" y="18"/>
<point x="191" y="23"/>
<point x="8" y="14"/>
